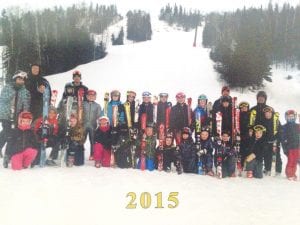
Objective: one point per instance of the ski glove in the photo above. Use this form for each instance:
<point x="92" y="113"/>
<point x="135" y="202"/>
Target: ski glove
<point x="250" y="157"/>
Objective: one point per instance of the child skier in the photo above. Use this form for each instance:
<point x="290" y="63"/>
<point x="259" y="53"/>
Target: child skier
<point x="205" y="152"/>
<point x="102" y="143"/>
<point x="254" y="159"/>
<point x="225" y="156"/>
<point x="291" y="143"/>
<point x="75" y="152"/>
<point x="14" y="98"/>
<point x="52" y="135"/>
<point x="123" y="147"/>
<point x="187" y="150"/>
<point x="150" y="146"/>
<point x="169" y="154"/>
<point x="201" y="114"/>
<point x="91" y="112"/>
<point x="22" y="146"/>
<point x="244" y="121"/>
<point x="272" y="124"/>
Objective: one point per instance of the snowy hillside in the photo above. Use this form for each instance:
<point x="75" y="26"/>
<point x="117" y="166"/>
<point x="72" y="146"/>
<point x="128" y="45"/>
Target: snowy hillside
<point x="90" y="196"/>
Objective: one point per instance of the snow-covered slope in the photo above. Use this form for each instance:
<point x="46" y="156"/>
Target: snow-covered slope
<point x="86" y="195"/>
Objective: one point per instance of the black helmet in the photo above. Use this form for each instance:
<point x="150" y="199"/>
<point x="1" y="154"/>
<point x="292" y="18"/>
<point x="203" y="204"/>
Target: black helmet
<point x="225" y="99"/>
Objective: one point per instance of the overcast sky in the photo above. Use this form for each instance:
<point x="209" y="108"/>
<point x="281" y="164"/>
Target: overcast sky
<point x="149" y="5"/>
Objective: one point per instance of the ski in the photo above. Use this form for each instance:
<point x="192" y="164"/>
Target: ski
<point x="189" y="101"/>
<point x="168" y="113"/>
<point x="45" y="126"/>
<point x="143" y="142"/>
<point x="54" y="94"/>
<point x="155" y="102"/>
<point x="199" y="154"/>
<point x="114" y="133"/>
<point x="106" y="100"/>
<point x="161" y="137"/>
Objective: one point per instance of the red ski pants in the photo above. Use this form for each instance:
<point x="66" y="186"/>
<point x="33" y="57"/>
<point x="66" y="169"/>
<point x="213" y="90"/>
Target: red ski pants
<point x="291" y="166"/>
<point x="23" y="159"/>
<point x="101" y="155"/>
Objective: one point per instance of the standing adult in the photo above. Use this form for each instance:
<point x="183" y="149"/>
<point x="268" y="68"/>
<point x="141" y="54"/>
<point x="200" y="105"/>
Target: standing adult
<point x="218" y="103"/>
<point x="257" y="111"/>
<point x="36" y="85"/>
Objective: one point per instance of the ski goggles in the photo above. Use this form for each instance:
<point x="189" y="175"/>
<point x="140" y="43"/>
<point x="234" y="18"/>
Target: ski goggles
<point x="259" y="128"/>
<point x="268" y="109"/>
<point x="146" y="94"/>
<point x="205" y="128"/>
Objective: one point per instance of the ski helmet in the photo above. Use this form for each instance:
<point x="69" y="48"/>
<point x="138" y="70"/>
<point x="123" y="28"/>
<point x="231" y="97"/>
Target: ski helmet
<point x="105" y="118"/>
<point x="268" y="109"/>
<point x="163" y="94"/>
<point x="225" y="99"/>
<point x="244" y="104"/>
<point x="25" y="115"/>
<point x="76" y="73"/>
<point x="259" y="128"/>
<point x="205" y="128"/>
<point x="226" y="132"/>
<point x="186" y="130"/>
<point x="180" y="95"/>
<point x="115" y="93"/>
<point x="290" y="112"/>
<point x="146" y="94"/>
<point x="91" y="92"/>
<point x="202" y="97"/>
<point x="262" y="94"/>
<point x="131" y="93"/>
<point x="20" y="74"/>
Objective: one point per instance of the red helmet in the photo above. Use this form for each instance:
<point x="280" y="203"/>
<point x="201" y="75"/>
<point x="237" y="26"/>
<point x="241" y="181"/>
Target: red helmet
<point x="180" y="95"/>
<point x="91" y="92"/>
<point x="76" y="73"/>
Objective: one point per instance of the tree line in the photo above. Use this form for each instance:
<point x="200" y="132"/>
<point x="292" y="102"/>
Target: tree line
<point x="180" y="16"/>
<point x="245" y="43"/>
<point x="58" y="39"/>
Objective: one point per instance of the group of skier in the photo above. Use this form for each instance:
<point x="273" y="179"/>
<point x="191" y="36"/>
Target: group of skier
<point x="228" y="137"/>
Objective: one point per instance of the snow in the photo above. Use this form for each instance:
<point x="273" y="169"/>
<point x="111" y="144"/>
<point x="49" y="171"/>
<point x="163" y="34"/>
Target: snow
<point x="86" y="195"/>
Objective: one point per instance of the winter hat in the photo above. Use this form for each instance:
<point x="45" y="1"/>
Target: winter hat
<point x="146" y="94"/>
<point x="202" y="97"/>
<point x="261" y="94"/>
<point x="76" y="73"/>
<point x="115" y="93"/>
<point x="20" y="74"/>
<point x="150" y="124"/>
<point x="225" y="88"/>
<point x="25" y="115"/>
<point x="91" y="92"/>
<point x="180" y="95"/>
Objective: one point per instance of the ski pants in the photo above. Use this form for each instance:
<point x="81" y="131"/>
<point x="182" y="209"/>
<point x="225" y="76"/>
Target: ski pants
<point x="102" y="155"/>
<point x="76" y="150"/>
<point x="291" y="166"/>
<point x="207" y="161"/>
<point x="90" y="131"/>
<point x="268" y="155"/>
<point x="256" y="167"/>
<point x="150" y="164"/>
<point x="4" y="134"/>
<point x="53" y="142"/>
<point x="23" y="159"/>
<point x="228" y="166"/>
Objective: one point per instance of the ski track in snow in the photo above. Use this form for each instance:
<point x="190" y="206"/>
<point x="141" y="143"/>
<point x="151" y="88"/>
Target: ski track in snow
<point x="86" y="195"/>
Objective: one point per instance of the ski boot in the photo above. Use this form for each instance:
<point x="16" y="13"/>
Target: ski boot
<point x="70" y="161"/>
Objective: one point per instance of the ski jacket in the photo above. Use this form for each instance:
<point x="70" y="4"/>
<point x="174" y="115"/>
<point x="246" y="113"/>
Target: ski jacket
<point x="290" y="136"/>
<point x="208" y="145"/>
<point x="179" y="117"/>
<point x="91" y="112"/>
<point x="244" y="122"/>
<point x="21" y="140"/>
<point x="36" y="104"/>
<point x="273" y="127"/>
<point x="20" y="97"/>
<point x="188" y="155"/>
<point x="77" y="134"/>
<point x="71" y="89"/>
<point x="121" y="113"/>
<point x="52" y="125"/>
<point x="257" y="114"/>
<point x="224" y="150"/>
<point x="103" y="136"/>
<point x="161" y="112"/>
<point x="148" y="109"/>
<point x="257" y="147"/>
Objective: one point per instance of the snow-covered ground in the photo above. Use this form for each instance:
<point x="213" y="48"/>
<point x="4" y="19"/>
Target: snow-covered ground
<point x="90" y="196"/>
